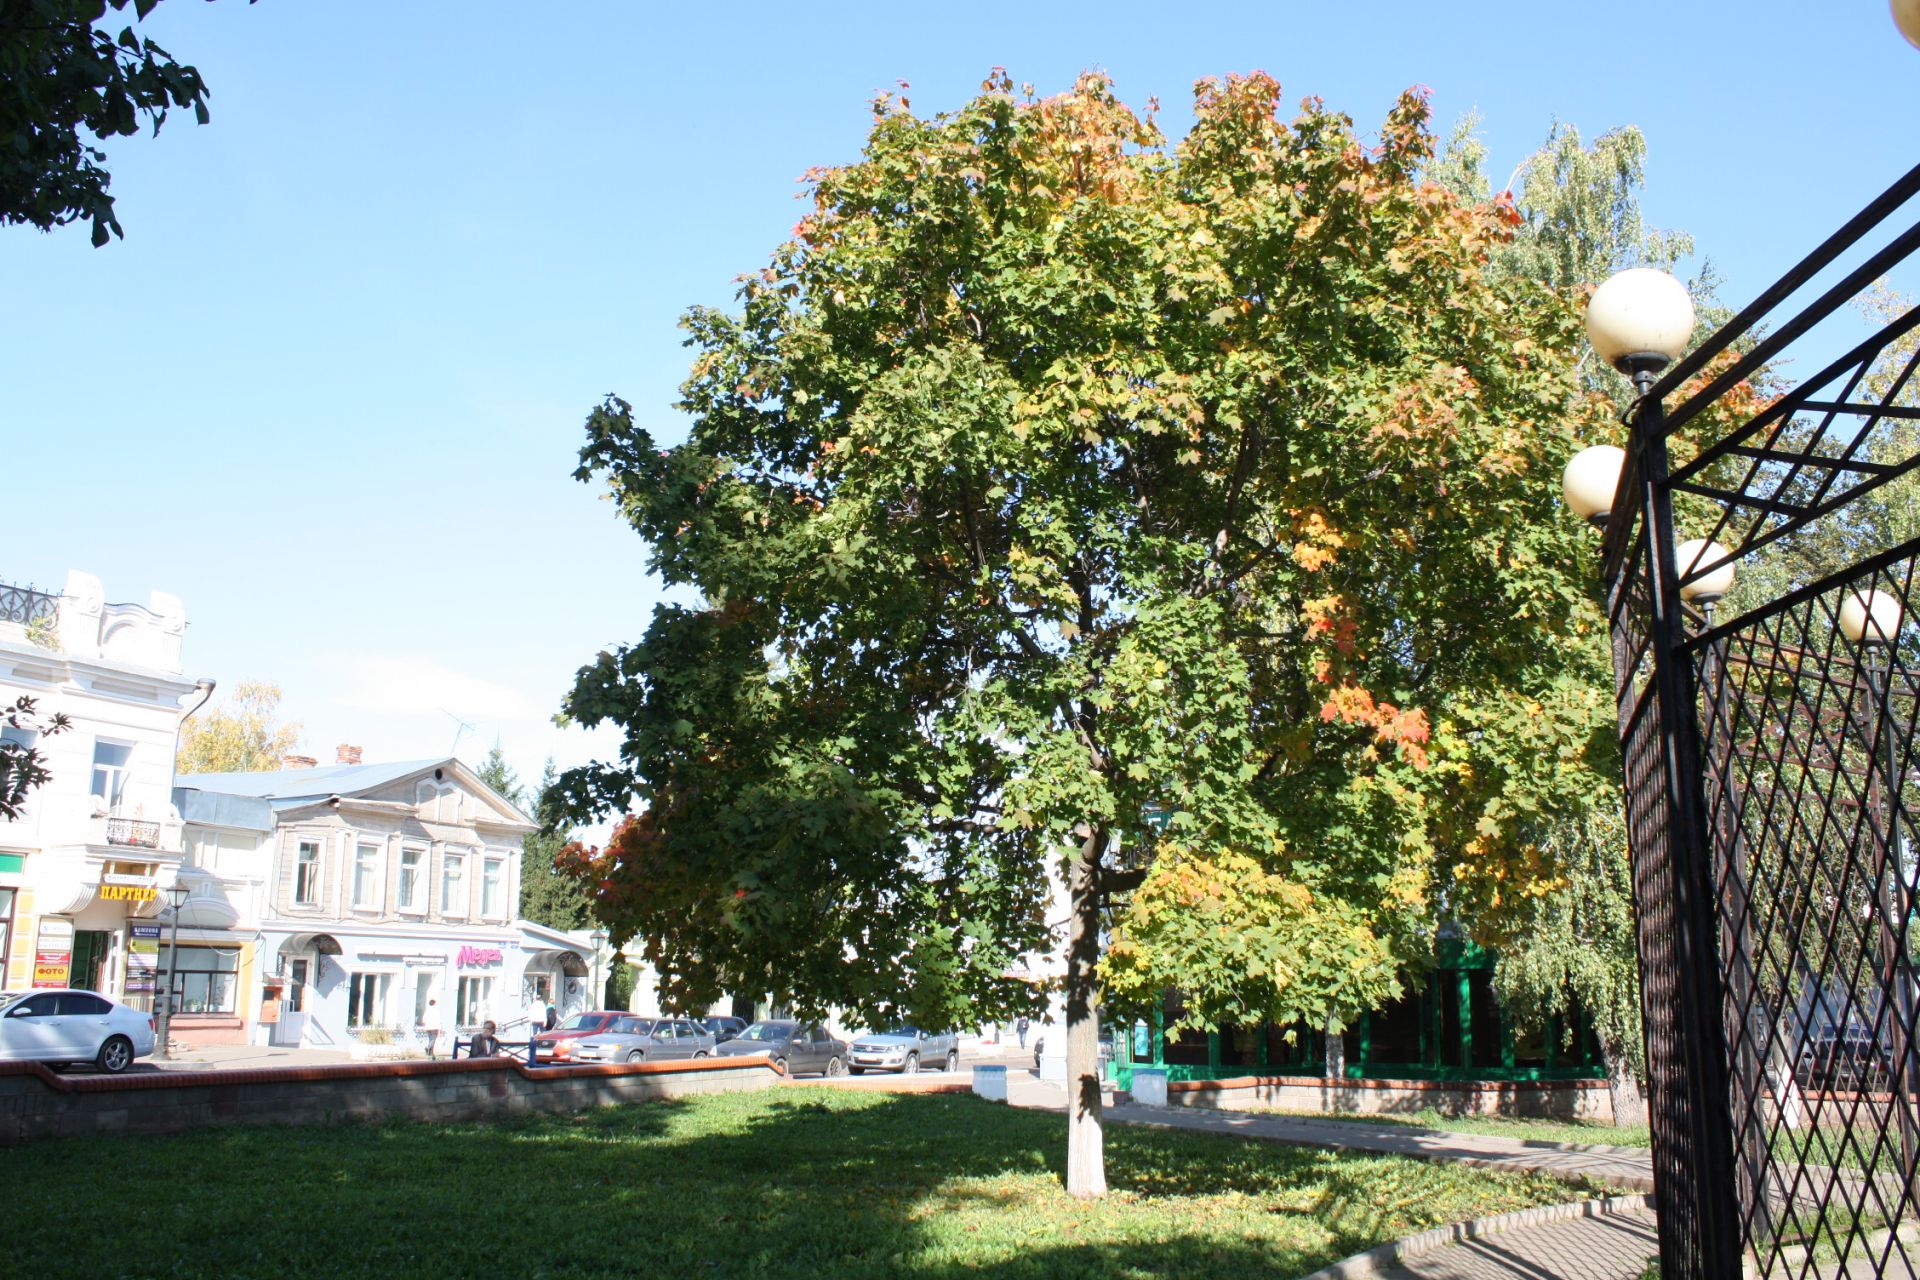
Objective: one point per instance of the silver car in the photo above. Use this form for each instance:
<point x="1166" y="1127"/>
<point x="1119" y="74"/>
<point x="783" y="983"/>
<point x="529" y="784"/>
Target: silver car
<point x="904" y="1049"/>
<point x="72" y="1026"/>
<point x="793" y="1046"/>
<point x="636" y="1039"/>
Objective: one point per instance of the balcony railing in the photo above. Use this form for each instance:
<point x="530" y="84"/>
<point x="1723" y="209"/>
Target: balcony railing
<point x="27" y="607"/>
<point x="133" y="831"/>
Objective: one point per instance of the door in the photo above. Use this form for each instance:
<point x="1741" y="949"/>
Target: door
<point x="32" y="1028"/>
<point x="667" y="1042"/>
<point x="83" y="1023"/>
<point x="90" y="948"/>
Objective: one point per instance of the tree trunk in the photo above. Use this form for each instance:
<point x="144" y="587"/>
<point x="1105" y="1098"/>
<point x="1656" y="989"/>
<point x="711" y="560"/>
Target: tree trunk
<point x="1086" y="1156"/>
<point x="1629" y="1104"/>
<point x="1336" y="1064"/>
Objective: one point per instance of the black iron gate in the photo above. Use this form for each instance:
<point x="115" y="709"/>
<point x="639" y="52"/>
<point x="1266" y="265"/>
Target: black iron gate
<point x="1771" y="785"/>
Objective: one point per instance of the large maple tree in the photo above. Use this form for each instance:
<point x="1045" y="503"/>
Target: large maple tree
<point x="1056" y="477"/>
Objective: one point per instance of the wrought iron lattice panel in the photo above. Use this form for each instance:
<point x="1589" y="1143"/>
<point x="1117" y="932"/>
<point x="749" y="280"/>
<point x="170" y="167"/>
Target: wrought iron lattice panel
<point x="1771" y="780"/>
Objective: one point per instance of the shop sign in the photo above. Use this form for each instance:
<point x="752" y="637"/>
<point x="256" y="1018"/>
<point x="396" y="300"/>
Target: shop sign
<point x="143" y="957"/>
<point x="53" y="953"/>
<point x="128" y="886"/>
<point x="471" y="956"/>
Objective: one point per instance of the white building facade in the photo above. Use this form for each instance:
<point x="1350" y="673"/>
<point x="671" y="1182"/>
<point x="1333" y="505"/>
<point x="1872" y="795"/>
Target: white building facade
<point x="83" y="865"/>
<point x="373" y="890"/>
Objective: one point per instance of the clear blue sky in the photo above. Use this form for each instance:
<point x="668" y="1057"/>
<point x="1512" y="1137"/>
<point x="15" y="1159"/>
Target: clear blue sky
<point x="329" y="388"/>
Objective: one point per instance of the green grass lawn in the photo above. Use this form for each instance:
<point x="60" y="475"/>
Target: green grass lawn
<point x="1581" y="1131"/>
<point x="789" y="1182"/>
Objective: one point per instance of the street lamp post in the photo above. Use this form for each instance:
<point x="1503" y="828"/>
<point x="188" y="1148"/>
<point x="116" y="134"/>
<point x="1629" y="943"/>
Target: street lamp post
<point x="1872" y="620"/>
<point x="177" y="894"/>
<point x="1639" y="322"/>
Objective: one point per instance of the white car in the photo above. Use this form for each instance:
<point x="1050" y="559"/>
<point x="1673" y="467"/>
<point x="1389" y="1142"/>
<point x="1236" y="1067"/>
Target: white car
<point x="64" y="1025"/>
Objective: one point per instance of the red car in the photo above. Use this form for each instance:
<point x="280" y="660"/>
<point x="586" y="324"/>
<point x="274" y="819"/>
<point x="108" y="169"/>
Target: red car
<point x="557" y="1045"/>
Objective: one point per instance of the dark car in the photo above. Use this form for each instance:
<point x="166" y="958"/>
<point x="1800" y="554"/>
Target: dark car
<point x="722" y="1027"/>
<point x="557" y="1045"/>
<point x="794" y="1047"/>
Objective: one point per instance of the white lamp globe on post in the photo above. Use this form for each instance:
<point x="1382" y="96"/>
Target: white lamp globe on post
<point x="1640" y="321"/>
<point x="1871" y="617"/>
<point x="1906" y="16"/>
<point x="1696" y="555"/>
<point x="1591" y="479"/>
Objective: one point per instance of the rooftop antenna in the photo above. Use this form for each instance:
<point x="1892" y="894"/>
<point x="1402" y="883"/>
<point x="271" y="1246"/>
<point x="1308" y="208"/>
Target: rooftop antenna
<point x="463" y="729"/>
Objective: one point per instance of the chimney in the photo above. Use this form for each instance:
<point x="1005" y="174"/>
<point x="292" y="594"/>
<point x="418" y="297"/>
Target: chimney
<point x="344" y="754"/>
<point x="298" y="762"/>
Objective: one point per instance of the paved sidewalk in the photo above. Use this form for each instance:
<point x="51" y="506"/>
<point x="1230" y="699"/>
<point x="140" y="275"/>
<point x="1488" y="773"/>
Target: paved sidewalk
<point x="1614" y="1246"/>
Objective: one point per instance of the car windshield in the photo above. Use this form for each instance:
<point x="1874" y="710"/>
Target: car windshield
<point x="768" y="1031"/>
<point x="902" y="1030"/>
<point x="581" y="1022"/>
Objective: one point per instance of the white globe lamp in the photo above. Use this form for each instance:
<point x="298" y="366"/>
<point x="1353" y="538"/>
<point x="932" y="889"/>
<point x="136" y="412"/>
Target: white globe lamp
<point x="1693" y="557"/>
<point x="1591" y="479"/>
<point x="1871" y="617"/>
<point x="1640" y="320"/>
<point x="1906" y="16"/>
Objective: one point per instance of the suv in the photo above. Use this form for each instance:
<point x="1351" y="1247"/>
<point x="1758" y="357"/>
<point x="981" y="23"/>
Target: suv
<point x="904" y="1049"/>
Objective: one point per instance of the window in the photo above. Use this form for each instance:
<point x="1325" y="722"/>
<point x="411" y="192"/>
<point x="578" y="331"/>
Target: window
<point x="366" y="875"/>
<point x="473" y="999"/>
<point x="205" y="979"/>
<point x="410" y="875"/>
<point x="367" y="995"/>
<point x="110" y="769"/>
<point x="306" y="874"/>
<point x="74" y="1004"/>
<point x="296" y="997"/>
<point x="453" y="884"/>
<point x="491" y="885"/>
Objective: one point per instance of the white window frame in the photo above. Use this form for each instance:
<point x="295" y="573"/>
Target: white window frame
<point x="300" y="846"/>
<point x="451" y="859"/>
<point x="413" y="903"/>
<point x="473" y="998"/>
<point x="373" y="880"/>
<point x="493" y="876"/>
<point x="115" y="776"/>
<point x="385" y="981"/>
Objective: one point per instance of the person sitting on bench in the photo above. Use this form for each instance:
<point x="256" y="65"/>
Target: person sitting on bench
<point x="485" y="1044"/>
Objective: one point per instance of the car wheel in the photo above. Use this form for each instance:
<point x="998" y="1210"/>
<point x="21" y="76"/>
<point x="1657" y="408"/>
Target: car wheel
<point x="780" y="1066"/>
<point x="699" y="1053"/>
<point x="953" y="1059"/>
<point x="636" y="1056"/>
<point x="835" y="1067"/>
<point x="913" y="1065"/>
<point x="116" y="1055"/>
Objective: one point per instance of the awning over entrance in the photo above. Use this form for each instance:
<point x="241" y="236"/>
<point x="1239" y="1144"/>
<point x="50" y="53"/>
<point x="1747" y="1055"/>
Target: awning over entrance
<point x="324" y="944"/>
<point x="569" y="963"/>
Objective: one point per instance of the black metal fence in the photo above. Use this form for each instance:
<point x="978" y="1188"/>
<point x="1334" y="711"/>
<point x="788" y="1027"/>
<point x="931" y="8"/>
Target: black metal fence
<point x="1771" y="780"/>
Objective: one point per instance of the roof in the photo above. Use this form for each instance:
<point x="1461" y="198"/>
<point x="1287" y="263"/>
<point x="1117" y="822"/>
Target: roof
<point x="281" y="789"/>
<point x="306" y="784"/>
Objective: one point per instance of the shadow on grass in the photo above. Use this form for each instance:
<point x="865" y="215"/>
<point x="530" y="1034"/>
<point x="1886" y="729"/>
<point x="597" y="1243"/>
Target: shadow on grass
<point x="785" y="1183"/>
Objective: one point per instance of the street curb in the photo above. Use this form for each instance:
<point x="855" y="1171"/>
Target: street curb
<point x="1381" y="1257"/>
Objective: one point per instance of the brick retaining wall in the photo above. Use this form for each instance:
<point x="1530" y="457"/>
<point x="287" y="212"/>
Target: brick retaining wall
<point x="1534" y="1099"/>
<point x="36" y="1102"/>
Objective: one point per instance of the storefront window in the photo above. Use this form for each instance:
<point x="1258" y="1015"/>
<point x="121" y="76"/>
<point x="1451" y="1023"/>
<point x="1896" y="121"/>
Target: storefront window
<point x="367" y="997"/>
<point x="206" y="979"/>
<point x="475" y="998"/>
<point x="6" y="932"/>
